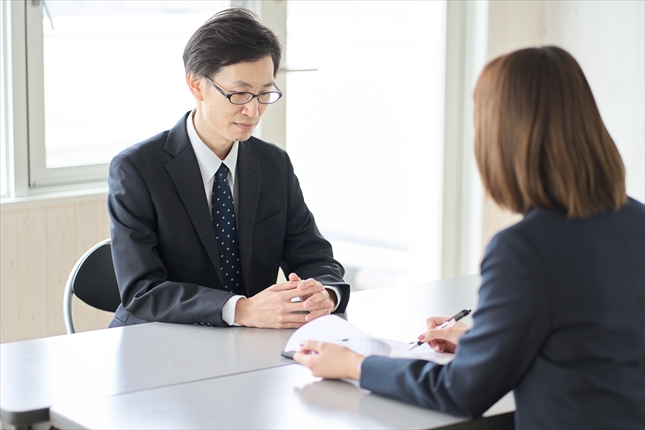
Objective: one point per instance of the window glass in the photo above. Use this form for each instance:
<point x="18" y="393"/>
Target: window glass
<point x="114" y="73"/>
<point x="365" y="131"/>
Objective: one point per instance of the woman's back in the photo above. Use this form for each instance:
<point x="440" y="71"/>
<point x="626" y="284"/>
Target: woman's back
<point x="589" y="369"/>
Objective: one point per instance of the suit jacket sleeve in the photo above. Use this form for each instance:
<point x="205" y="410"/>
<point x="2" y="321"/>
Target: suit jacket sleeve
<point x="510" y="326"/>
<point x="146" y="291"/>
<point x="306" y="252"/>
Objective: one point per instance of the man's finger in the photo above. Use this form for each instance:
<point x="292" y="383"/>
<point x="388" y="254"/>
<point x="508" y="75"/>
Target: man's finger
<point x="290" y="308"/>
<point x="290" y="321"/>
<point x="317" y="314"/>
<point x="304" y="294"/>
<point x="285" y="286"/>
<point x="315" y="299"/>
<point x="322" y="305"/>
<point x="310" y="284"/>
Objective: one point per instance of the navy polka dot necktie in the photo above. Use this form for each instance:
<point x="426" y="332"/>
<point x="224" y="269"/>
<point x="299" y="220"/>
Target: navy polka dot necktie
<point x="223" y="211"/>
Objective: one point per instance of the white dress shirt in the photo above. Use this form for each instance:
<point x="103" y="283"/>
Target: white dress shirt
<point x="209" y="163"/>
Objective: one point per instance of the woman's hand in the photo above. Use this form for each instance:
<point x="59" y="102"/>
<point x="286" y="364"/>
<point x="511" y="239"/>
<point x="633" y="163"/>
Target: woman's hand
<point x="445" y="339"/>
<point x="330" y="361"/>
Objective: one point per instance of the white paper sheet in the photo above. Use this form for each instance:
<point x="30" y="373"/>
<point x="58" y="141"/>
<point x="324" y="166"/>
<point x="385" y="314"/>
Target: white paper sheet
<point x="332" y="328"/>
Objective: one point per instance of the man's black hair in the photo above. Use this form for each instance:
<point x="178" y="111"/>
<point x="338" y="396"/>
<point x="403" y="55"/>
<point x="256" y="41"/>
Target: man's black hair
<point x="229" y="37"/>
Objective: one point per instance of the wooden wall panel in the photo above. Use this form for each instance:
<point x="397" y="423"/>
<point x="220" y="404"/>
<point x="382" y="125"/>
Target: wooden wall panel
<point x="9" y="277"/>
<point x="40" y="243"/>
<point x="32" y="264"/>
<point x="61" y="236"/>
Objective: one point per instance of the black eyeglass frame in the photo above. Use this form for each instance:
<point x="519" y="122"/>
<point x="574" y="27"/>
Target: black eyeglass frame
<point x="228" y="96"/>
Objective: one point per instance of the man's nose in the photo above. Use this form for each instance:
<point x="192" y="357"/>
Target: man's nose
<point x="252" y="108"/>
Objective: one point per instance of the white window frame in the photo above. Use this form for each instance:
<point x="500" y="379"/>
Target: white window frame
<point x="15" y="98"/>
<point x="24" y="97"/>
<point x="39" y="174"/>
<point x="463" y="195"/>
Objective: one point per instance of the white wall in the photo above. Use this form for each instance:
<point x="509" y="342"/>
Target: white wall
<point x="607" y="38"/>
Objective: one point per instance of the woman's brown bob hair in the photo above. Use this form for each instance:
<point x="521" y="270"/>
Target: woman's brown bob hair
<point x="539" y="138"/>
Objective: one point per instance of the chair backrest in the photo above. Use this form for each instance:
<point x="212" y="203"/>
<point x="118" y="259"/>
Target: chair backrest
<point x="93" y="281"/>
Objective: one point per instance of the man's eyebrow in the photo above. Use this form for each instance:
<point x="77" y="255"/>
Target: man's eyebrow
<point x="247" y="85"/>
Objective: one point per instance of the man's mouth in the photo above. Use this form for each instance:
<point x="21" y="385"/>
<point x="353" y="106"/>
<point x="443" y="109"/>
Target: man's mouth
<point x="246" y="126"/>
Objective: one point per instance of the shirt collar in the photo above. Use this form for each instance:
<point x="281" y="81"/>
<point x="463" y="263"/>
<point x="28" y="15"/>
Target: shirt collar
<point x="206" y="159"/>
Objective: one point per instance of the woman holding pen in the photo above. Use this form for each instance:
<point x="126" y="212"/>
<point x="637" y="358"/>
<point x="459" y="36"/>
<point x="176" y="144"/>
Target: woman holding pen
<point x="561" y="313"/>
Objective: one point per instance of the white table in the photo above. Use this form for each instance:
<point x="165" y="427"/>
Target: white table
<point x="106" y="367"/>
<point x="285" y="397"/>
<point x="37" y="374"/>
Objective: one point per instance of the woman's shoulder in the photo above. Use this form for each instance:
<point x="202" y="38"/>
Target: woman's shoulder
<point x="549" y="218"/>
<point x="551" y="226"/>
<point x="635" y="207"/>
<point x="537" y="221"/>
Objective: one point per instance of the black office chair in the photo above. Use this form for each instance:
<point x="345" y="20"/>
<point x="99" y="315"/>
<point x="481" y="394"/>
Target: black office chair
<point x="93" y="281"/>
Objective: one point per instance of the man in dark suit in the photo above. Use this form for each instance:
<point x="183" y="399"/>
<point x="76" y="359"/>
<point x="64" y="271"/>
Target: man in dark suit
<point x="180" y="253"/>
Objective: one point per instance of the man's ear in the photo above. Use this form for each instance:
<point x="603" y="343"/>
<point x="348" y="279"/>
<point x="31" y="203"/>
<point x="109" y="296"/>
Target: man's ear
<point x="195" y="86"/>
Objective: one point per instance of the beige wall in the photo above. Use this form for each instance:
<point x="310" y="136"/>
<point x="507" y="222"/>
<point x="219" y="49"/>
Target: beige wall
<point x="40" y="242"/>
<point x="511" y="25"/>
<point x="607" y="38"/>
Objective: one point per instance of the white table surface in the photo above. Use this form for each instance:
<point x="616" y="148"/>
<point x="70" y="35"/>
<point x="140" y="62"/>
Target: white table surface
<point x="37" y="374"/>
<point x="400" y="313"/>
<point x="280" y="398"/>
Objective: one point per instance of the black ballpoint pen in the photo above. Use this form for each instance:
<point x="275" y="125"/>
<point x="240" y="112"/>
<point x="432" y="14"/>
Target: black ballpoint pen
<point x="447" y="323"/>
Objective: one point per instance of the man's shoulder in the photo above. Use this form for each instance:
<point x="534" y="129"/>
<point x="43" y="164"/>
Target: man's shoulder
<point x="145" y="147"/>
<point x="173" y="140"/>
<point x="258" y="147"/>
<point x="147" y="156"/>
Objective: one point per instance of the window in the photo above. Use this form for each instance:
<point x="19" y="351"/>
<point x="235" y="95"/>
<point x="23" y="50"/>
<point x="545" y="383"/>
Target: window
<point x="103" y="75"/>
<point x="365" y="131"/>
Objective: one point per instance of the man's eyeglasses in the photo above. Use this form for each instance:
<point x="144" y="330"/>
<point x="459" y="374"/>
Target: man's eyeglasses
<point x="242" y="98"/>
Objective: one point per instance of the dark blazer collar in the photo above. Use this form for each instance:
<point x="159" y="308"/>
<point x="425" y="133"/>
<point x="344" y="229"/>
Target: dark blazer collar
<point x="249" y="176"/>
<point x="185" y="174"/>
<point x="177" y="140"/>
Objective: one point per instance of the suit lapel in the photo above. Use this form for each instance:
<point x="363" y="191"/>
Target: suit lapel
<point x="184" y="172"/>
<point x="249" y="177"/>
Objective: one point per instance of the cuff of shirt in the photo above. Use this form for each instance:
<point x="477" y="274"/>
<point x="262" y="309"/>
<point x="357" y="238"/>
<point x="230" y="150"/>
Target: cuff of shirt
<point x="228" y="311"/>
<point x="339" y="296"/>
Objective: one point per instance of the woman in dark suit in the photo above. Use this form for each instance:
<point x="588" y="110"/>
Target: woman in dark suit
<point x="561" y="313"/>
